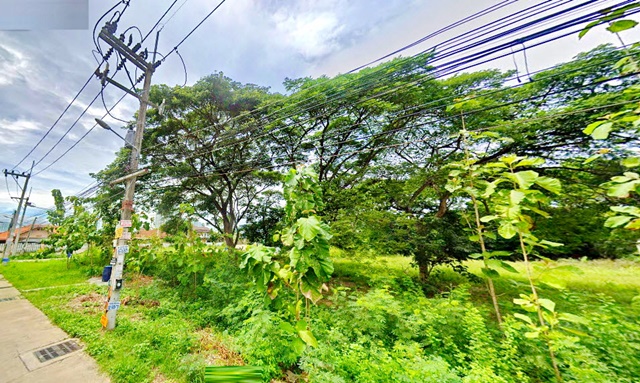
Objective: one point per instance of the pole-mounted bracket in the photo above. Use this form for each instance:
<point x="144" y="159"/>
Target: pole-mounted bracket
<point x="140" y="172"/>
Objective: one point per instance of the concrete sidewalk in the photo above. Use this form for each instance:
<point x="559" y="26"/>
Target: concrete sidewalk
<point x="25" y="331"/>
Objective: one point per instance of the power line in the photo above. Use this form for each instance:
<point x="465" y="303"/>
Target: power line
<point x="497" y="126"/>
<point x="55" y="123"/>
<point x="101" y="94"/>
<point x="175" y="48"/>
<point x="400" y="116"/>
<point x="126" y="3"/>
<point x="80" y="139"/>
<point x="271" y="131"/>
<point x="449" y="64"/>
<point x="160" y="19"/>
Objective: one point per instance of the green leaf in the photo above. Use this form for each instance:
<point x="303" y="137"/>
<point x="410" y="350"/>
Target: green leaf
<point x="532" y="334"/>
<point x="499" y="253"/>
<point x="286" y="326"/>
<point x="547" y="304"/>
<point x="592" y="126"/>
<point x="508" y="267"/>
<point x="544" y="242"/>
<point x="308" y="338"/>
<point x="633" y="225"/>
<point x="631" y="210"/>
<point x="488" y="218"/>
<point x="631" y="162"/>
<point x="298" y="347"/>
<point x="507" y="230"/>
<point x="491" y="273"/>
<point x="515" y="197"/>
<point x="621" y="25"/>
<point x="510" y="159"/>
<point x="310" y="292"/>
<point x="572" y="318"/>
<point x="573" y="331"/>
<point x="587" y="28"/>
<point x="602" y="131"/>
<point x="551" y="184"/>
<point x="556" y="284"/>
<point x="500" y="165"/>
<point x="533" y="161"/>
<point x="592" y="158"/>
<point x="617" y="221"/>
<point x="523" y="318"/>
<point x="525" y="178"/>
<point x="301" y="325"/>
<point x="308" y="227"/>
<point x="622" y="190"/>
<point x="475" y="256"/>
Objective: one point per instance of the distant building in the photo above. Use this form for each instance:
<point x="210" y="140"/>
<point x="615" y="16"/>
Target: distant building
<point x="203" y="232"/>
<point x="36" y="235"/>
<point x="148" y="234"/>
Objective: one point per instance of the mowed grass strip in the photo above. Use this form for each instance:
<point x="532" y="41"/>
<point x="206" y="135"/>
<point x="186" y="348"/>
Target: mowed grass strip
<point x="38" y="274"/>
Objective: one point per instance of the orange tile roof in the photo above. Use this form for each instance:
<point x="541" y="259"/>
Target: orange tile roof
<point x="23" y="230"/>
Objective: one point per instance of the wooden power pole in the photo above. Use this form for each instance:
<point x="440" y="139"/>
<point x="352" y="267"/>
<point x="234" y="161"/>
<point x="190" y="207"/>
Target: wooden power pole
<point x="123" y="235"/>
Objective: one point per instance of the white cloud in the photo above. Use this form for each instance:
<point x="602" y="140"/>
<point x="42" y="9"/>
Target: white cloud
<point x="313" y="35"/>
<point x="13" y="64"/>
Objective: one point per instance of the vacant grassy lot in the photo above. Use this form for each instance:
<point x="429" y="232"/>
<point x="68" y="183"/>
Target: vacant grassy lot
<point x="164" y="335"/>
<point x="45" y="273"/>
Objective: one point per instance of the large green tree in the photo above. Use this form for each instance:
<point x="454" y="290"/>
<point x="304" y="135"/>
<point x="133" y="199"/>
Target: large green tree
<point x="207" y="151"/>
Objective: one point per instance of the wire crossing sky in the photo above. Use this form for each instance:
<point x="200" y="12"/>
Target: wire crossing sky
<point x="251" y="42"/>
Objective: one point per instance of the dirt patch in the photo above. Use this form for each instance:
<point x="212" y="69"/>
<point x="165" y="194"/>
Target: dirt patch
<point x="136" y="281"/>
<point x="89" y="301"/>
<point x="291" y="377"/>
<point x="160" y="378"/>
<point x="215" y="352"/>
<point x="134" y="301"/>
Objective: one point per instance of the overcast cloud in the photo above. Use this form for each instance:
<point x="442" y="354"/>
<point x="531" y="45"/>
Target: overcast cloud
<point x="251" y="41"/>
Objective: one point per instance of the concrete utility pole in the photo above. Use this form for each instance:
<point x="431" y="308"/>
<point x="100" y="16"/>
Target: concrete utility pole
<point x="123" y="235"/>
<point x="26" y="242"/>
<point x="9" y="244"/>
<point x="16" y="242"/>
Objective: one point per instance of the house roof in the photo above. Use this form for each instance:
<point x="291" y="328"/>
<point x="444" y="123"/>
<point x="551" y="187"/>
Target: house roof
<point x="153" y="233"/>
<point x="201" y="229"/>
<point x="23" y="231"/>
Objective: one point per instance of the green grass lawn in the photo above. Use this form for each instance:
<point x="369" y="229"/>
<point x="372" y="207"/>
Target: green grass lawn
<point x="37" y="274"/>
<point x="163" y="336"/>
<point x="156" y="338"/>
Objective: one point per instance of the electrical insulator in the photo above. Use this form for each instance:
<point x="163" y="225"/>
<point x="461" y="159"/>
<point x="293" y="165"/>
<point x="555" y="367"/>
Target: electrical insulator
<point x="108" y="54"/>
<point x="136" y="47"/>
<point x="130" y="40"/>
<point x="122" y="37"/>
<point x="111" y="27"/>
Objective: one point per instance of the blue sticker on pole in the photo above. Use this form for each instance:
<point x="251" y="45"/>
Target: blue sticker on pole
<point x="121" y="250"/>
<point x="113" y="306"/>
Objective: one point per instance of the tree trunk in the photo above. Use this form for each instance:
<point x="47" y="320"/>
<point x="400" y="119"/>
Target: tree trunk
<point x="229" y="237"/>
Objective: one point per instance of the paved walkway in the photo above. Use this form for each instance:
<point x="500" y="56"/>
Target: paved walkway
<point x="25" y="330"/>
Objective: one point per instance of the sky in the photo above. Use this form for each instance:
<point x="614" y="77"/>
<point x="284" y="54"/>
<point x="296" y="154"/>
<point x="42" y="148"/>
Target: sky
<point x="252" y="41"/>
